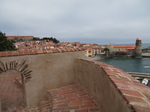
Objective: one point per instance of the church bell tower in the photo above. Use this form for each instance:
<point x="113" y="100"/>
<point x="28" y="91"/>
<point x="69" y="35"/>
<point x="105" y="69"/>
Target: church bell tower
<point x="138" y="49"/>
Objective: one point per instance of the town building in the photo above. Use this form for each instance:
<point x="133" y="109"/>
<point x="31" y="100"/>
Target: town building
<point x="94" y="51"/>
<point x="34" y="44"/>
<point x="129" y="50"/>
<point x="91" y="50"/>
<point x="120" y="49"/>
<point x="20" y="38"/>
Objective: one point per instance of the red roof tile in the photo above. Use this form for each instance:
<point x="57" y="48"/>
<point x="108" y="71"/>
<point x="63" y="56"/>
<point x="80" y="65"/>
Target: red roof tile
<point x="124" y="46"/>
<point x="11" y="37"/>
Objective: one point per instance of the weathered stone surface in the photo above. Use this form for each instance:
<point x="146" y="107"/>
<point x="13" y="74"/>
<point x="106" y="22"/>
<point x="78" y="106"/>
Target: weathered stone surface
<point x="58" y="67"/>
<point x="109" y="84"/>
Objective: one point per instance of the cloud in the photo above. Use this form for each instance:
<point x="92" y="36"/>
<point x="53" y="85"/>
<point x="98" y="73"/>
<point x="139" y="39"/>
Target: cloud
<point x="77" y="20"/>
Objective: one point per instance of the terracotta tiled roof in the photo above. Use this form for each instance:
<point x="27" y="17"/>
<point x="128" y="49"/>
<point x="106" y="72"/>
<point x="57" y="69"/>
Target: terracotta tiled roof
<point x="125" y="46"/>
<point x="131" y="48"/>
<point x="122" y="51"/>
<point x="11" y="37"/>
<point x="38" y="51"/>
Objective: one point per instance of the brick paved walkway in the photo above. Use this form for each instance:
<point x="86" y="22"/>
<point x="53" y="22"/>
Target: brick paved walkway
<point x="12" y="98"/>
<point x="10" y="93"/>
<point x="72" y="98"/>
<point x="44" y="106"/>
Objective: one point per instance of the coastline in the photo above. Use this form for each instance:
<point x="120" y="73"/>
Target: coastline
<point x="94" y="58"/>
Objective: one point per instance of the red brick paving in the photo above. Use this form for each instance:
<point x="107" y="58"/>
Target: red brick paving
<point x="12" y="98"/>
<point x="44" y="106"/>
<point x="73" y="98"/>
<point x="10" y="93"/>
<point x="67" y="98"/>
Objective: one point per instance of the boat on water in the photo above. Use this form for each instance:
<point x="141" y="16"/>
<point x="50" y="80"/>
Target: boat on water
<point x="145" y="81"/>
<point x="142" y="77"/>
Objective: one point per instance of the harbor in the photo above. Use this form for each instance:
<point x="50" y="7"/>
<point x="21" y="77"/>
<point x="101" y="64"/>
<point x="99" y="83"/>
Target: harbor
<point x="142" y="77"/>
<point x="138" y="68"/>
<point x="139" y="76"/>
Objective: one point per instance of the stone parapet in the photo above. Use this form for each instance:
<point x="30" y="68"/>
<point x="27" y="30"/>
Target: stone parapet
<point x="114" y="89"/>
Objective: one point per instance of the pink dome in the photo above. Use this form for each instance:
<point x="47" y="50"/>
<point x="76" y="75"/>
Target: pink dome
<point x="138" y="38"/>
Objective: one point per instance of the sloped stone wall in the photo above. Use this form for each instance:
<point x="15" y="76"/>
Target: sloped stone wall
<point x="114" y="89"/>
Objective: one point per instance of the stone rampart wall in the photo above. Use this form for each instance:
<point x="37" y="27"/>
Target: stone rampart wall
<point x="114" y="89"/>
<point x="49" y="71"/>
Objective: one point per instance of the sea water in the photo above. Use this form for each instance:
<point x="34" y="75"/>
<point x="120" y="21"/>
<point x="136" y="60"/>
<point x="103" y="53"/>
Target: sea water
<point x="129" y="64"/>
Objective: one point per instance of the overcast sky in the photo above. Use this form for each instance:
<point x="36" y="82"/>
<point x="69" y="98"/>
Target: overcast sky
<point x="89" y="21"/>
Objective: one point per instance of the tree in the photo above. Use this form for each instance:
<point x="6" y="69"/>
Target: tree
<point x="106" y="52"/>
<point x="51" y="38"/>
<point x="5" y="44"/>
<point x="35" y="38"/>
<point x="48" y="38"/>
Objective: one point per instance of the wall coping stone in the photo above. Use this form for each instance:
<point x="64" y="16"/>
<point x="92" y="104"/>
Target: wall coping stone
<point x="39" y="51"/>
<point x="133" y="91"/>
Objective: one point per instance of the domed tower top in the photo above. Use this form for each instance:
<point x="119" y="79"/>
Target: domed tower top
<point x="138" y="38"/>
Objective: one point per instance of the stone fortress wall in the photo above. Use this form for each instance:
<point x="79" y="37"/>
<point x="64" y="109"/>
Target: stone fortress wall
<point x="113" y="89"/>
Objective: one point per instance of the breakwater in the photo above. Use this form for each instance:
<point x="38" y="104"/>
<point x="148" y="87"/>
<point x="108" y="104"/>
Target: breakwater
<point x="146" y="55"/>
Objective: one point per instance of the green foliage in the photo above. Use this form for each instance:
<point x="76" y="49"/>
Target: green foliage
<point x="5" y="44"/>
<point x="51" y="38"/>
<point x="48" y="38"/>
<point x="34" y="38"/>
<point x="106" y="50"/>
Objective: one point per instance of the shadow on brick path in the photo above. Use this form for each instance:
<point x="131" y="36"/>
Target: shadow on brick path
<point x="10" y="93"/>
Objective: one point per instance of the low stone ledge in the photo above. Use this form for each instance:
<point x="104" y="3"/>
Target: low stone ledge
<point x="133" y="91"/>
